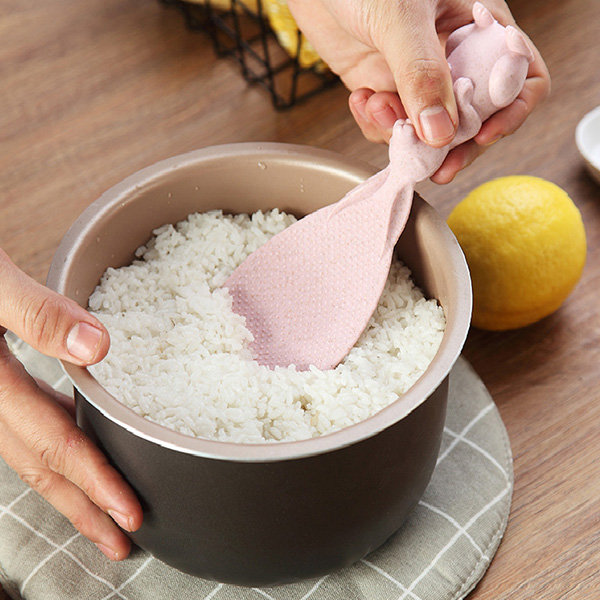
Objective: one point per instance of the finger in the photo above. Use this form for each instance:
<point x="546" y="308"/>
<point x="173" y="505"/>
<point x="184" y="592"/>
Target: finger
<point x="66" y="402"/>
<point x="67" y="498"/>
<point x="60" y="445"/>
<point x="51" y="323"/>
<point x="376" y="113"/>
<point x="357" y="102"/>
<point x="383" y="109"/>
<point x="412" y="48"/>
<point x="458" y="158"/>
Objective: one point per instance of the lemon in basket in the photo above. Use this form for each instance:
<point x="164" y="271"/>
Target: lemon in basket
<point x="283" y="24"/>
<point x="524" y="241"/>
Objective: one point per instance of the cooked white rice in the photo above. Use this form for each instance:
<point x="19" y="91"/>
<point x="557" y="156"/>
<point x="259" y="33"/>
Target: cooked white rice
<point x="179" y="355"/>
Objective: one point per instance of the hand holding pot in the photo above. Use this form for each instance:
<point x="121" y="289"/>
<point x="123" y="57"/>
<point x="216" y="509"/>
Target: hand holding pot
<point x="391" y="56"/>
<point x="38" y="435"/>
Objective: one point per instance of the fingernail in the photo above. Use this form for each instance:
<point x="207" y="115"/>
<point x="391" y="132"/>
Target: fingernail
<point x="108" y="552"/>
<point x="436" y="124"/>
<point x="123" y="521"/>
<point x="494" y="139"/>
<point x="360" y="108"/>
<point x="386" y="117"/>
<point x="83" y="341"/>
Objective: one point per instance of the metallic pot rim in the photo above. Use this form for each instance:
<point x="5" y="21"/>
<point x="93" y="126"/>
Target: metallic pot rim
<point x="290" y="154"/>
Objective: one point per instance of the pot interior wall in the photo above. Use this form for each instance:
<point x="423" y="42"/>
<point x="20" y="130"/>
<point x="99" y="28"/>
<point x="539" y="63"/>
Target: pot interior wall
<point x="293" y="186"/>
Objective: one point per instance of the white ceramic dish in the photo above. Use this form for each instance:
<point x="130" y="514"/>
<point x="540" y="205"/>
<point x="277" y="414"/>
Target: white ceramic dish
<point x="587" y="138"/>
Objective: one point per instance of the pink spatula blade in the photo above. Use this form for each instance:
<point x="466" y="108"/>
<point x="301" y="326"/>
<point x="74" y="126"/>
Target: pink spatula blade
<point x="317" y="280"/>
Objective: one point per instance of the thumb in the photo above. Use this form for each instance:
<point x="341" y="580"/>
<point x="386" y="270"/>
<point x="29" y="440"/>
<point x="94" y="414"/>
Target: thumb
<point x="415" y="56"/>
<point x="51" y="323"/>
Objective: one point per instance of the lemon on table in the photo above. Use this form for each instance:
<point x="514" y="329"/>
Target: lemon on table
<point x="524" y="241"/>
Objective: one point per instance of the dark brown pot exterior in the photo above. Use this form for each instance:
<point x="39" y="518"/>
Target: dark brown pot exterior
<point x="258" y="524"/>
<point x="263" y="514"/>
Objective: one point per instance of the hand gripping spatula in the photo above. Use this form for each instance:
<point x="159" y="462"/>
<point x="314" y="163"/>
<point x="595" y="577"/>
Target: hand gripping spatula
<point x="309" y="292"/>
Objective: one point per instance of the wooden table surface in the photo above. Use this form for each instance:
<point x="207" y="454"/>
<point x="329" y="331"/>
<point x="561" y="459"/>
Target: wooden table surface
<point x="92" y="91"/>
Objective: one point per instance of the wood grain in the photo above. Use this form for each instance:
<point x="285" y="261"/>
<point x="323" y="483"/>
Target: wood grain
<point x="92" y="91"/>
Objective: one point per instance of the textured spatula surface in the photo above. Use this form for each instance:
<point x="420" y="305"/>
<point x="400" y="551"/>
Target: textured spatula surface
<point x="309" y="292"/>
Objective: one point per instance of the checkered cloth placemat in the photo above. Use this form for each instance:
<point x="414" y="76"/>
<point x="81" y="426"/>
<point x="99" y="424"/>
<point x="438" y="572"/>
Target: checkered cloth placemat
<point x="440" y="553"/>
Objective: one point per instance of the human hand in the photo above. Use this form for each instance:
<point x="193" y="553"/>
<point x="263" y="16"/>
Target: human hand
<point x="38" y="435"/>
<point x="391" y="56"/>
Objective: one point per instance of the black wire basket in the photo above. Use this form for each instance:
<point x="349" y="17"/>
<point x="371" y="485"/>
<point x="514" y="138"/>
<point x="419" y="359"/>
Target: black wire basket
<point x="245" y="35"/>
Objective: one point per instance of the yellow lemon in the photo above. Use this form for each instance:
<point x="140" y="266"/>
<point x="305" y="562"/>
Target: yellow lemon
<point x="525" y="245"/>
<point x="283" y="24"/>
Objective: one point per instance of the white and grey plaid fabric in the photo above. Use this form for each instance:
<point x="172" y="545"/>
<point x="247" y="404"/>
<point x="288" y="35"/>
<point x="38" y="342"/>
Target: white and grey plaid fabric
<point x="440" y="553"/>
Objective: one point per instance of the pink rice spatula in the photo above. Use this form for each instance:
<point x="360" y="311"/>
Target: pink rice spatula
<point x="309" y="292"/>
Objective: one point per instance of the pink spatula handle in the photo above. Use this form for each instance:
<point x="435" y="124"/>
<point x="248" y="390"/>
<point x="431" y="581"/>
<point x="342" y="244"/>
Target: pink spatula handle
<point x="489" y="66"/>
